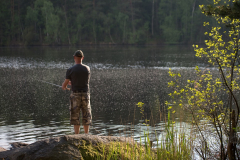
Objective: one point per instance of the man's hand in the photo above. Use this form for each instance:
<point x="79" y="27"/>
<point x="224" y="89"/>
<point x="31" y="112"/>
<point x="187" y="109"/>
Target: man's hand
<point x="65" y="83"/>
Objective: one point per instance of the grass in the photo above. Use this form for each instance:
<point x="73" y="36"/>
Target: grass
<point x="175" y="145"/>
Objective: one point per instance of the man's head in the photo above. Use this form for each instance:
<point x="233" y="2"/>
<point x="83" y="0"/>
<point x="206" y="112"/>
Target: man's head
<point x="78" y="53"/>
<point x="78" y="56"/>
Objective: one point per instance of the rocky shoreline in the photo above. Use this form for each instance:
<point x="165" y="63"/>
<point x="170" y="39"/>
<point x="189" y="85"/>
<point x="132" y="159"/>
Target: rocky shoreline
<point x="64" y="147"/>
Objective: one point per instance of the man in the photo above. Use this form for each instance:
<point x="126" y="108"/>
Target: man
<point x="78" y="77"/>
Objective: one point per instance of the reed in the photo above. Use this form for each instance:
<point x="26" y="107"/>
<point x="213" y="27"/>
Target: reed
<point x="174" y="145"/>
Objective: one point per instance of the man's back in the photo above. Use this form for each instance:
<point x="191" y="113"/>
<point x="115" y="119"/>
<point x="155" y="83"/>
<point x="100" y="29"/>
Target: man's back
<point x="79" y="75"/>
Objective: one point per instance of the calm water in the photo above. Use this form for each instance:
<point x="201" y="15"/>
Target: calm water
<point x="121" y="76"/>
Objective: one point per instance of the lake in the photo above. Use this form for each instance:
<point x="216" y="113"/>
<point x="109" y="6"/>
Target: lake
<point x="121" y="76"/>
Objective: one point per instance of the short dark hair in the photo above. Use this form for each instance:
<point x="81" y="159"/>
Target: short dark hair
<point x="78" y="53"/>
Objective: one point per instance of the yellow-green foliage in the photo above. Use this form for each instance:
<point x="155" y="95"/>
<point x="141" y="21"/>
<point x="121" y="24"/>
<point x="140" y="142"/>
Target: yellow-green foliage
<point x="201" y="96"/>
<point x="126" y="151"/>
<point x="202" y="92"/>
<point x="174" y="145"/>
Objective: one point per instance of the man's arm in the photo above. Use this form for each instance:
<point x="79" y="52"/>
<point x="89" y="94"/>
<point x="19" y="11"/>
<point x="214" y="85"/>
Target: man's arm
<point x="65" y="83"/>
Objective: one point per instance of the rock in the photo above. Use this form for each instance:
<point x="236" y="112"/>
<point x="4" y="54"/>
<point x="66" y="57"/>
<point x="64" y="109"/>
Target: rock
<point x="2" y="149"/>
<point x="58" y="148"/>
<point x="18" y="145"/>
<point x="3" y="153"/>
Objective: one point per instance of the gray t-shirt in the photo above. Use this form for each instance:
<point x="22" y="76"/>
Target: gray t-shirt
<point x="79" y="75"/>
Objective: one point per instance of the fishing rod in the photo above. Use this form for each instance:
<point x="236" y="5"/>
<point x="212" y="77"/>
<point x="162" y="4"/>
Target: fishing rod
<point x="53" y="84"/>
<point x="67" y="89"/>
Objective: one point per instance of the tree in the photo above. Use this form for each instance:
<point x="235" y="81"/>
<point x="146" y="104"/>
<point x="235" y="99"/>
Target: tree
<point x="42" y="18"/>
<point x="51" y="21"/>
<point x="120" y="21"/>
<point x="5" y="23"/>
<point x="169" y="20"/>
<point x="232" y="11"/>
<point x="214" y="99"/>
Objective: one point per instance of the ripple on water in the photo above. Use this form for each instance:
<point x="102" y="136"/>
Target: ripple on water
<point x="18" y="63"/>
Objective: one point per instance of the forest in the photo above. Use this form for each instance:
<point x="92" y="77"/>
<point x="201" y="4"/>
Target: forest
<point x="76" y="22"/>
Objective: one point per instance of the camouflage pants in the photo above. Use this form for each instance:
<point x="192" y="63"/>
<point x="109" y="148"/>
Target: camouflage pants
<point x="80" y="103"/>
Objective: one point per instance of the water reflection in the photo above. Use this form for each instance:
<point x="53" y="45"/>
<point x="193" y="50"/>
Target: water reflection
<point x="18" y="63"/>
<point x="112" y="56"/>
<point x="33" y="110"/>
<point x="120" y="78"/>
<point x="28" y="132"/>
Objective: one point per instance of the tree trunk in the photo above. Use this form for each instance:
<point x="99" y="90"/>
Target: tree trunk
<point x="12" y="19"/>
<point x="231" y="149"/>
<point x="12" y="10"/>
<point x="124" y="24"/>
<point x="66" y="20"/>
<point x="192" y="19"/>
<point x="152" y="15"/>
<point x="94" y="31"/>
<point x="133" y="27"/>
<point x="19" y="21"/>
<point x="111" y="36"/>
<point x="40" y="36"/>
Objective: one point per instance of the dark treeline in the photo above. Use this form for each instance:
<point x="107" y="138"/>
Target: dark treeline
<point x="74" y="22"/>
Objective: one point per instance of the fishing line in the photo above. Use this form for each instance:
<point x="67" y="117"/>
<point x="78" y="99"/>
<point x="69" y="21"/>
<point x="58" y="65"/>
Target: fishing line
<point x="53" y="84"/>
<point x="67" y="89"/>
